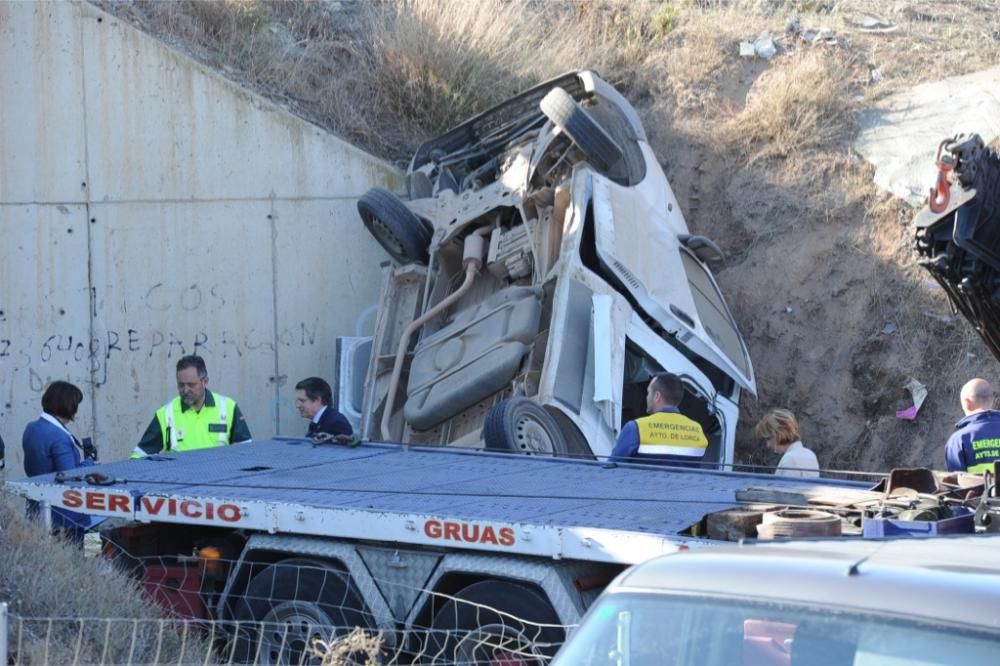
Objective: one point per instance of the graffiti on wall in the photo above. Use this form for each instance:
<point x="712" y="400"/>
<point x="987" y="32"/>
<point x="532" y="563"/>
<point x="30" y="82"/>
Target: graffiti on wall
<point x="72" y="352"/>
<point x="94" y="354"/>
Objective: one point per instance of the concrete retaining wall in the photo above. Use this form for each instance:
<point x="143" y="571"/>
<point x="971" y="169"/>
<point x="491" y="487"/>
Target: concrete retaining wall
<point x="149" y="209"/>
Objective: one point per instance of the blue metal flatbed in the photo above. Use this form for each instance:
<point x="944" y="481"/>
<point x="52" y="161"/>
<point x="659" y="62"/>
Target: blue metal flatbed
<point x="451" y="498"/>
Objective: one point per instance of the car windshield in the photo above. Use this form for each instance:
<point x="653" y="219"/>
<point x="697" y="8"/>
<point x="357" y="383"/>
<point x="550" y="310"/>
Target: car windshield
<point x="714" y="315"/>
<point x="660" y="630"/>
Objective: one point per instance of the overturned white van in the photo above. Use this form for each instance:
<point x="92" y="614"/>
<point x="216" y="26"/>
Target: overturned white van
<point x="543" y="271"/>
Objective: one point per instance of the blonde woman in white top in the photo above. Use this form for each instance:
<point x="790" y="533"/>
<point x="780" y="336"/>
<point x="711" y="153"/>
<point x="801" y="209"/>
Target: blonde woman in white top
<point x="781" y="431"/>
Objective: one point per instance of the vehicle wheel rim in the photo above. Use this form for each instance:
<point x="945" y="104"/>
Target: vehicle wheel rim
<point x="288" y="631"/>
<point x="495" y="645"/>
<point x="387" y="238"/>
<point x="532" y="437"/>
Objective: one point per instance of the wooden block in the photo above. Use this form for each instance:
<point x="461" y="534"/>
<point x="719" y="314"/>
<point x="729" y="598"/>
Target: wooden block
<point x="734" y="524"/>
<point x="821" y="496"/>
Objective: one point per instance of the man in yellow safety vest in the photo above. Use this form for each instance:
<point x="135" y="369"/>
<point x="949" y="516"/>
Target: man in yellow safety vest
<point x="666" y="435"/>
<point x="195" y="419"/>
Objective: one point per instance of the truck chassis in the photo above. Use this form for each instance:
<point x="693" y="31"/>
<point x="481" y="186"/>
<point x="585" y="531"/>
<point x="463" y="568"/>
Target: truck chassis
<point x="433" y="548"/>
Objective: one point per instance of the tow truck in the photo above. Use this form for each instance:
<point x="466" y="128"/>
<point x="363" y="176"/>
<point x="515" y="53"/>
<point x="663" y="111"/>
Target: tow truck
<point x="450" y="555"/>
<point x="958" y="232"/>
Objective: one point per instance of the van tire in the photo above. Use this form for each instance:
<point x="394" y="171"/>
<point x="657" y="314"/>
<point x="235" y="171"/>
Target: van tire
<point x="577" y="445"/>
<point x="519" y="425"/>
<point x="514" y="615"/>
<point x="396" y="228"/>
<point x="566" y="114"/>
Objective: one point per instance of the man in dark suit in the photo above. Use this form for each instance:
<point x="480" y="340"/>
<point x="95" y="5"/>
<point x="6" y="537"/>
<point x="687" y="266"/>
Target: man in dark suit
<point x="312" y="398"/>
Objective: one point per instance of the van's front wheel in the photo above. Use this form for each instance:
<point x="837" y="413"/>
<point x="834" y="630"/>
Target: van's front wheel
<point x="522" y="426"/>
<point x="396" y="228"/>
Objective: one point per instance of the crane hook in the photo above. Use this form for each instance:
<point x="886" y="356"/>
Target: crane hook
<point x="940" y="194"/>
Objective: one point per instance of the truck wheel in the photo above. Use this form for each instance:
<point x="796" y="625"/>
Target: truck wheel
<point x="290" y="604"/>
<point x="520" y="425"/>
<point x="495" y="622"/>
<point x="394" y="226"/>
<point x="566" y="114"/>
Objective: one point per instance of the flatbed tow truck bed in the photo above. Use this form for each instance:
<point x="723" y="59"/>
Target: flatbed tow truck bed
<point x="458" y="499"/>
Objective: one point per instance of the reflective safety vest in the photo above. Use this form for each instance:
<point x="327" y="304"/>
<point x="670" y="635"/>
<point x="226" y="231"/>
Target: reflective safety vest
<point x="975" y="445"/>
<point x="670" y="434"/>
<point x="187" y="430"/>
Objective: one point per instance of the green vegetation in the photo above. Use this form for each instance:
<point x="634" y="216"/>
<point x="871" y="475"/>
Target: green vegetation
<point x="664" y="19"/>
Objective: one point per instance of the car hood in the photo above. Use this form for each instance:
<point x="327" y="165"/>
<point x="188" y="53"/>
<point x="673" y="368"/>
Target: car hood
<point x="637" y="233"/>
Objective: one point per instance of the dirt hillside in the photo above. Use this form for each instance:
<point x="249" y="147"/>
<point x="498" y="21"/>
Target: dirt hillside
<point x="819" y="270"/>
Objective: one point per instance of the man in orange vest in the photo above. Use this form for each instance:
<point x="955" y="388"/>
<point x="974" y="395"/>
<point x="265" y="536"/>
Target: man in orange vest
<point x="666" y="435"/>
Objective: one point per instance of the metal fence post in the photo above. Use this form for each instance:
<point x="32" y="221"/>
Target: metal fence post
<point x="3" y="632"/>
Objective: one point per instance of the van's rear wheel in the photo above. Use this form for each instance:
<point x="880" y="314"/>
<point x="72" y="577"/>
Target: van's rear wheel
<point x="566" y="114"/>
<point x="495" y="622"/>
<point x="522" y="426"/>
<point x="292" y="603"/>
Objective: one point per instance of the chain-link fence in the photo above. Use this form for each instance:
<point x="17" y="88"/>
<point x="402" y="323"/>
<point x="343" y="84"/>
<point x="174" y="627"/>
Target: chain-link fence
<point x="221" y="599"/>
<point x="293" y="611"/>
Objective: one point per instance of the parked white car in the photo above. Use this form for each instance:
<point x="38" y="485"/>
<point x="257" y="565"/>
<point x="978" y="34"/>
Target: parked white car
<point x="858" y="602"/>
<point x="545" y="271"/>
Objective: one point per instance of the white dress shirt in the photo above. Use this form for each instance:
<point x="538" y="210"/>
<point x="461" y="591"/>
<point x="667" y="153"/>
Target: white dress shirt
<point x="798" y="461"/>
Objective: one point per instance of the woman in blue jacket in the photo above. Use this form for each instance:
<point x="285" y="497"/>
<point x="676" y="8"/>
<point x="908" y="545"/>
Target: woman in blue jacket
<point x="50" y="447"/>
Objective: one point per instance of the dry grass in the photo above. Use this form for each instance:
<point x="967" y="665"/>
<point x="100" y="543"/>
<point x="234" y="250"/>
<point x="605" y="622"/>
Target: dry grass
<point x="802" y="102"/>
<point x="440" y="61"/>
<point x="389" y="75"/>
<point x="43" y="577"/>
<point x="309" y="56"/>
<point x="433" y="63"/>
<point x="690" y="60"/>
<point x="357" y="648"/>
<point x="933" y="39"/>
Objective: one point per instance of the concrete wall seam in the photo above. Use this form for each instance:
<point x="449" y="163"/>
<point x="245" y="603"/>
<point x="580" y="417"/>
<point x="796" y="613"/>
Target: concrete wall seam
<point x="155" y="209"/>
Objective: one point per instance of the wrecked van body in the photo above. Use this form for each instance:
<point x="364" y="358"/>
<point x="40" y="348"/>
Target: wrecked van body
<point x="545" y="272"/>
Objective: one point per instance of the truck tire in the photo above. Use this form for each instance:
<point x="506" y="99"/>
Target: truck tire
<point x="492" y="622"/>
<point x="292" y="602"/>
<point x="521" y="426"/>
<point x="798" y="523"/>
<point x="566" y="114"/>
<point x="396" y="228"/>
